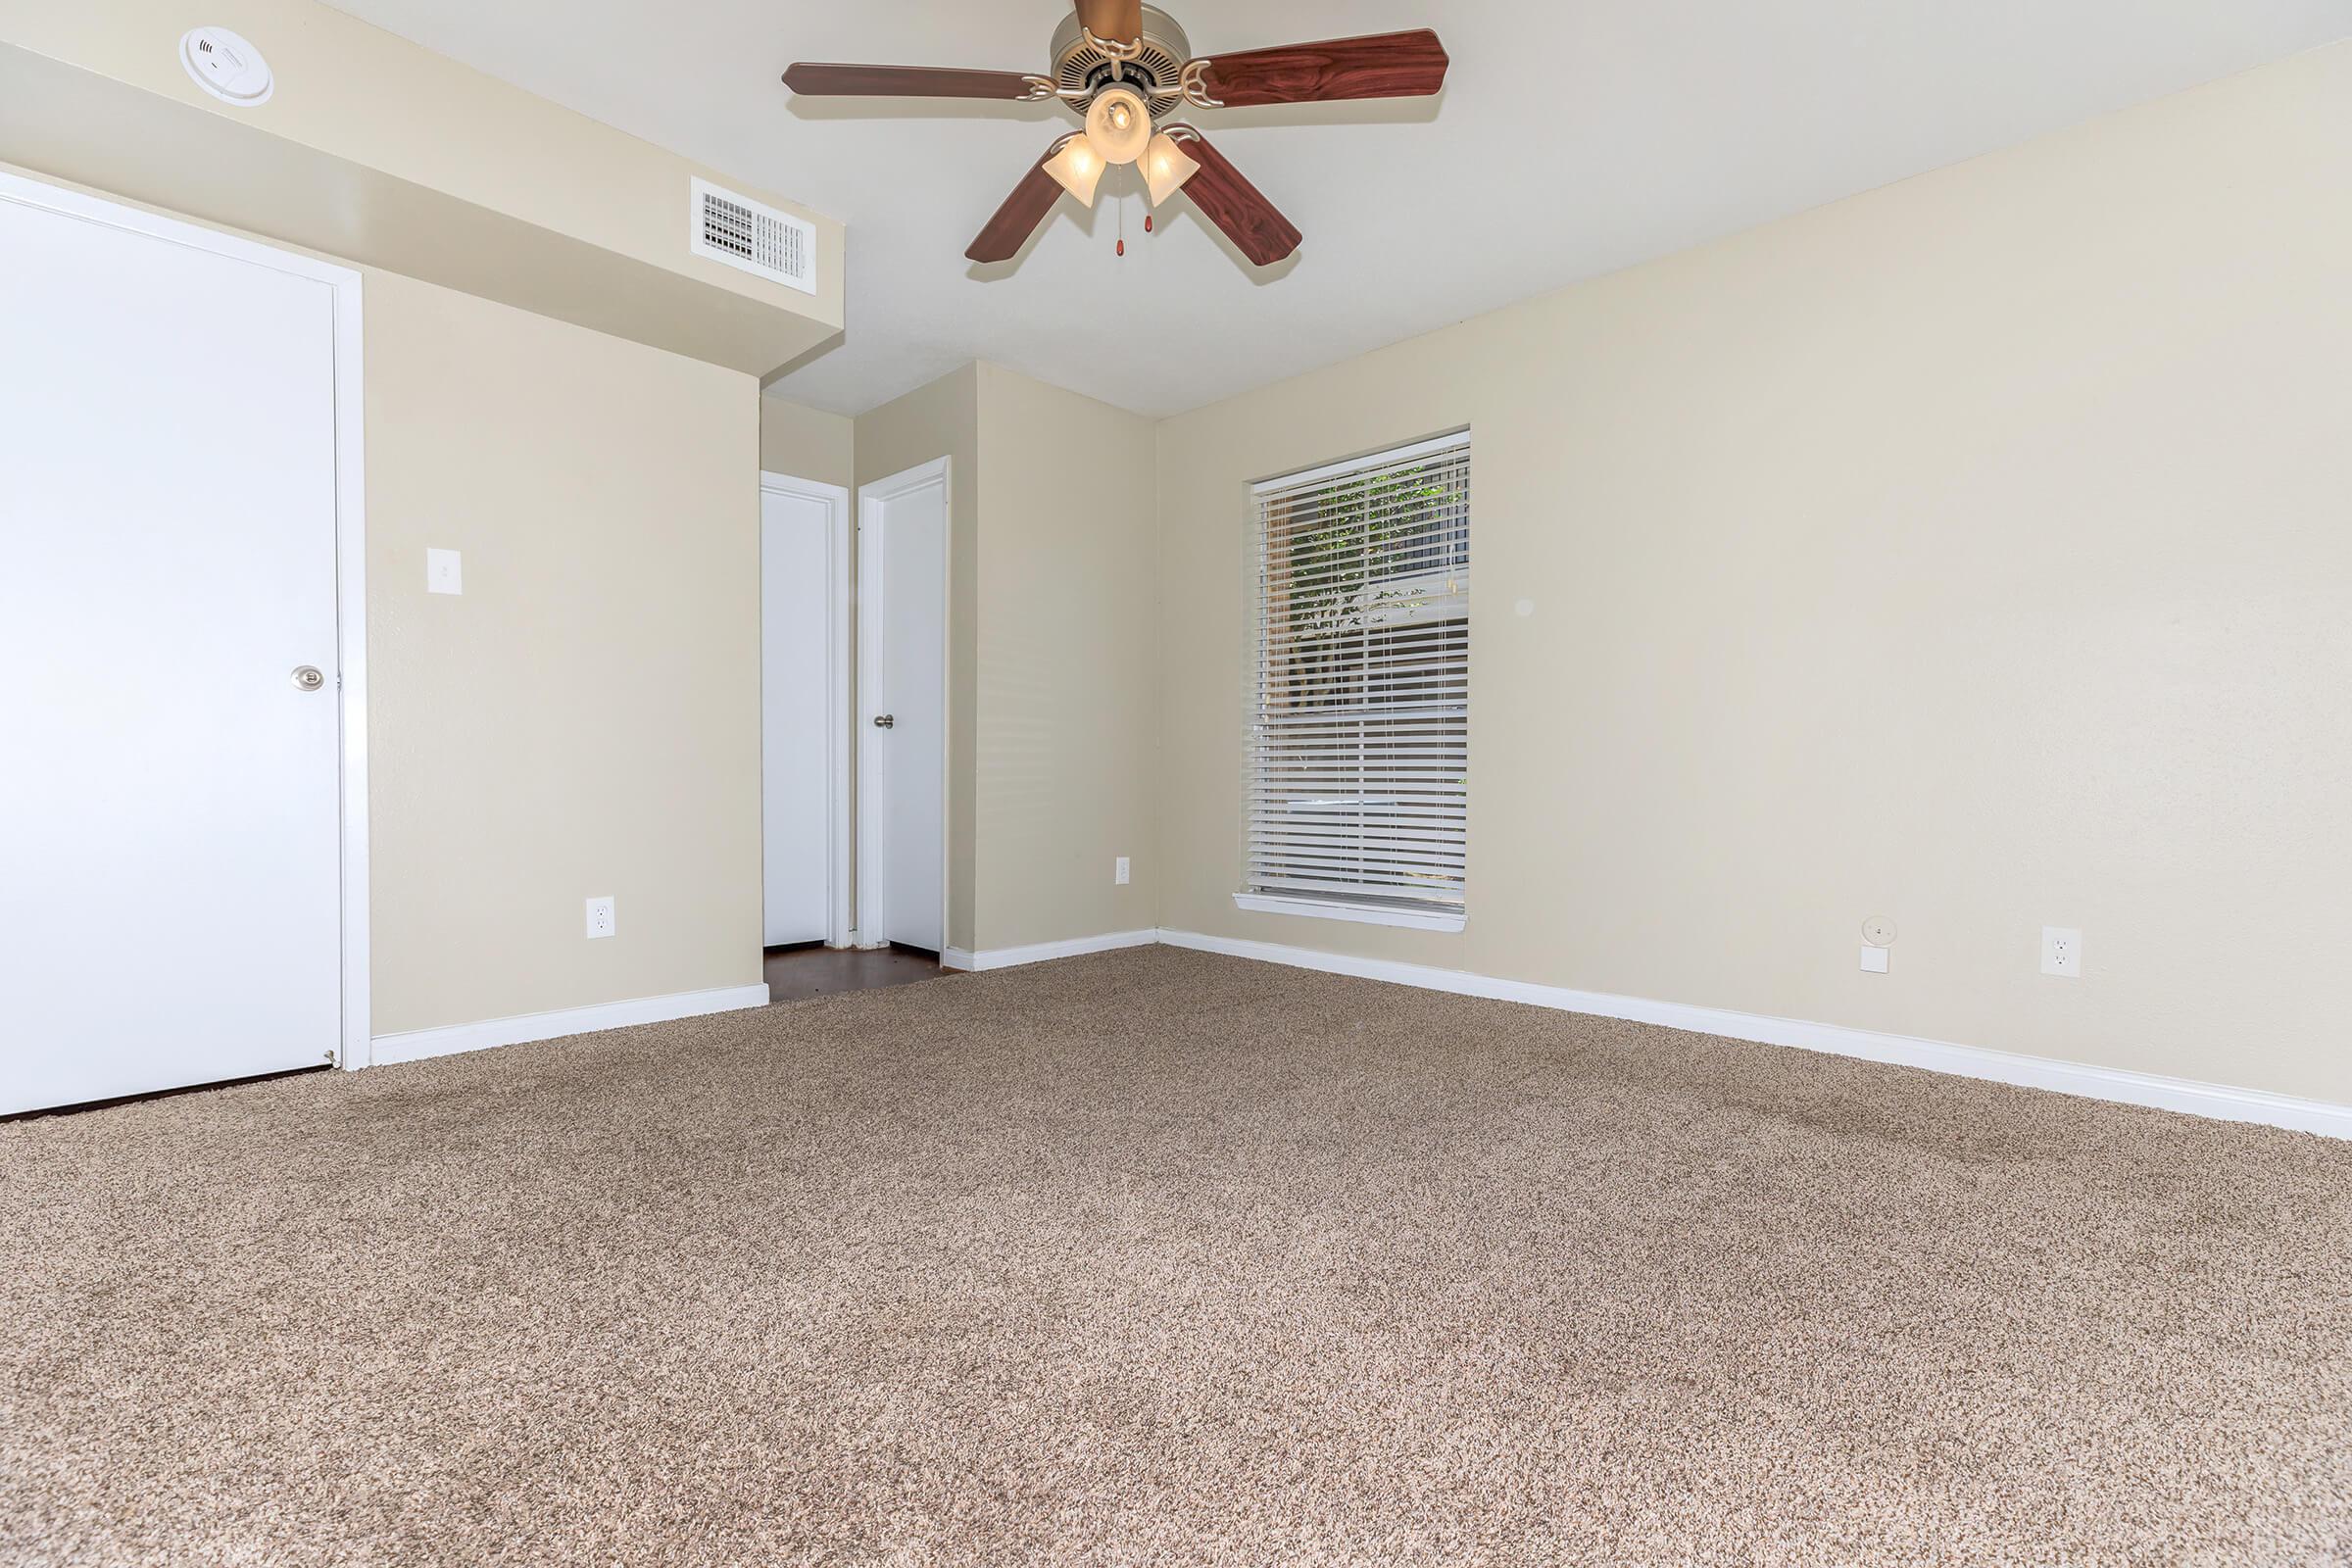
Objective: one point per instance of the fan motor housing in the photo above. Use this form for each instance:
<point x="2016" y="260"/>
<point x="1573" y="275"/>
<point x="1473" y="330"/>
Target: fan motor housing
<point x="1156" y="70"/>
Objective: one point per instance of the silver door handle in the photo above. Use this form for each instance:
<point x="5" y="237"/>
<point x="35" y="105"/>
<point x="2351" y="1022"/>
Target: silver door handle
<point x="308" y="678"/>
<point x="886" y="722"/>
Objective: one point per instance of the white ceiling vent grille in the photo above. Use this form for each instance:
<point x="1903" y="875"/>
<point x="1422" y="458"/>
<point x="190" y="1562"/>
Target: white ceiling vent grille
<point x="742" y="232"/>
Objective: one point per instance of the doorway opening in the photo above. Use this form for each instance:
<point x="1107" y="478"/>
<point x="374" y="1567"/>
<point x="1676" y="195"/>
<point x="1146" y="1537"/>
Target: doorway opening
<point x="852" y="732"/>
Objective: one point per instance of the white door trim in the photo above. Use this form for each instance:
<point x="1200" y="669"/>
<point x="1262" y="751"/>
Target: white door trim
<point x="838" y="693"/>
<point x="873" y="763"/>
<point x="351" y="538"/>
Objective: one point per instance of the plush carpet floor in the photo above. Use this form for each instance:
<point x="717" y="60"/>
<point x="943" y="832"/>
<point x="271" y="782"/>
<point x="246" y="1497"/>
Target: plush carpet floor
<point x="1156" y="1257"/>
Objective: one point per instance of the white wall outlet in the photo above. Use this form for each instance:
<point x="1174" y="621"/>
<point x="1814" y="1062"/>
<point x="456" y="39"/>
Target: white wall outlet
<point x="1119" y="870"/>
<point x="1874" y="960"/>
<point x="2062" y="952"/>
<point x="444" y="573"/>
<point x="602" y="921"/>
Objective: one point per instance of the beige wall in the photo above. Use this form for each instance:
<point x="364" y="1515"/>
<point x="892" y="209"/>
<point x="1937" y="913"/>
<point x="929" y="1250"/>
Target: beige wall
<point x="806" y="443"/>
<point x="942" y="421"/>
<point x="1069" y="655"/>
<point x="584" y="719"/>
<point x="1972" y="553"/>
<point x="1052" y="692"/>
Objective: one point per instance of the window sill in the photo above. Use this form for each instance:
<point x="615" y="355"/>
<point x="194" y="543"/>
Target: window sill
<point x="1361" y="913"/>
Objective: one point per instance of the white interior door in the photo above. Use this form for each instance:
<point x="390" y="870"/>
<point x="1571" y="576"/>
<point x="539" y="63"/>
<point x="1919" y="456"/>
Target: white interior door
<point x="169" y="819"/>
<point x="799" y="716"/>
<point x="902" y="683"/>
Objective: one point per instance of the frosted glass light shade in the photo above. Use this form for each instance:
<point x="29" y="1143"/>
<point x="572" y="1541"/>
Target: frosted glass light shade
<point x="1166" y="168"/>
<point x="1119" y="125"/>
<point x="1077" y="168"/>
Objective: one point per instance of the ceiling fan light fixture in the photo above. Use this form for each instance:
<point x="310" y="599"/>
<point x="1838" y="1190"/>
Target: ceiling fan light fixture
<point x="1166" y="168"/>
<point x="1118" y="122"/>
<point x="1077" y="168"/>
<point x="1122" y="63"/>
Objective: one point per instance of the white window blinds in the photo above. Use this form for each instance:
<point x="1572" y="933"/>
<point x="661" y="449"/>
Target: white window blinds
<point x="1359" y="756"/>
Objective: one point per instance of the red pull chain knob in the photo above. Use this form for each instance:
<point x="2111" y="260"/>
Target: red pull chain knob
<point x="1147" y="222"/>
<point x="1122" y="246"/>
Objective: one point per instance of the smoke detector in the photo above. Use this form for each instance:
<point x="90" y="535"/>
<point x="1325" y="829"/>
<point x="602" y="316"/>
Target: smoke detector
<point x="229" y="68"/>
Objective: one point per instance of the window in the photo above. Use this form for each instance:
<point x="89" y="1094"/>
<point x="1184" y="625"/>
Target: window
<point x="1358" y="755"/>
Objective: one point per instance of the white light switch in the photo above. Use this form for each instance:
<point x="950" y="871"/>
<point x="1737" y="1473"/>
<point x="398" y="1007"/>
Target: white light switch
<point x="602" y="921"/>
<point x="2062" y="952"/>
<point x="444" y="573"/>
<point x="1874" y="960"/>
<point x="1119" y="870"/>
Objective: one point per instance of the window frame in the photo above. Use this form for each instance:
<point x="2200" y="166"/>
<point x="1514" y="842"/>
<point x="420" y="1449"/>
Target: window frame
<point x="1372" y="908"/>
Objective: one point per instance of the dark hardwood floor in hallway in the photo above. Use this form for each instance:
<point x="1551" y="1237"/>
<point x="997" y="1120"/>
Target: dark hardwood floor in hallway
<point x="795" y="974"/>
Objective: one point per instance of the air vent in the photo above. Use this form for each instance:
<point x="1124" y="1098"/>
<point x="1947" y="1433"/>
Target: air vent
<point x="759" y="239"/>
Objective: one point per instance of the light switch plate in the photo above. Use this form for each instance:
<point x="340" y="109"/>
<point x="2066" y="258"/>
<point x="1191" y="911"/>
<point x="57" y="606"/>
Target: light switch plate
<point x="2062" y="952"/>
<point x="1874" y="960"/>
<point x="603" y="921"/>
<point x="1119" y="870"/>
<point x="444" y="573"/>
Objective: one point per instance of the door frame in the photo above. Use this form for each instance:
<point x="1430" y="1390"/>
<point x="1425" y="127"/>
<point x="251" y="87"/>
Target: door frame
<point x="873" y="764"/>
<point x="356" y="1047"/>
<point x="838" y="693"/>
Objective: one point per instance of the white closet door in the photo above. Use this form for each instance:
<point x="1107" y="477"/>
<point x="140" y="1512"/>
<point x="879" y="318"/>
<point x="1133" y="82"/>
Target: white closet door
<point x="796" y="579"/>
<point x="902" y="678"/>
<point x="168" y="819"/>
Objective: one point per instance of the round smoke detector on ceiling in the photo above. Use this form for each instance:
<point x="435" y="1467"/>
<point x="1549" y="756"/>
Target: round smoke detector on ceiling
<point x="227" y="67"/>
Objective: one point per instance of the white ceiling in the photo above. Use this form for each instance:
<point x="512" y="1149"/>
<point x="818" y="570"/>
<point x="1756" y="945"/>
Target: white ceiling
<point x="1574" y="137"/>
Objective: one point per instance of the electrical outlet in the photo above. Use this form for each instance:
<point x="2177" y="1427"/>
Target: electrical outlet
<point x="602" y="921"/>
<point x="444" y="571"/>
<point x="2062" y="952"/>
<point x="1119" y="870"/>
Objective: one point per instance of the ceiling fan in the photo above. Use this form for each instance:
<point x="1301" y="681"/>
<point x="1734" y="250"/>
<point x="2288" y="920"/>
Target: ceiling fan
<point x="1126" y="67"/>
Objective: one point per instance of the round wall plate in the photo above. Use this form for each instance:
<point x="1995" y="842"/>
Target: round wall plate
<point x="1878" y="931"/>
<point x="229" y="68"/>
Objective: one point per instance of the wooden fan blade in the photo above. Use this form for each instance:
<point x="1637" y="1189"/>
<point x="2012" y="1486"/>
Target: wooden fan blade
<point x="1226" y="199"/>
<point x="903" y="81"/>
<point x="1026" y="208"/>
<point x="1387" y="65"/>
<point x="1114" y="20"/>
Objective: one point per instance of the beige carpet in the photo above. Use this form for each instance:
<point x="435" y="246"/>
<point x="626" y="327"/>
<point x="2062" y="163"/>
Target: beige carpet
<point x="1155" y="1258"/>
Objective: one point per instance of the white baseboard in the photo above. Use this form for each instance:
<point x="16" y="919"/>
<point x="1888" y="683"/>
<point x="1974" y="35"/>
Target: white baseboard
<point x="1040" y="952"/>
<point x="2217" y="1101"/>
<point x="415" y="1044"/>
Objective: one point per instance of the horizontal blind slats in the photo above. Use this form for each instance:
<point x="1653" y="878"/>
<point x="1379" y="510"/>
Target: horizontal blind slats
<point x="1433" y="895"/>
<point x="1359" y="752"/>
